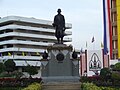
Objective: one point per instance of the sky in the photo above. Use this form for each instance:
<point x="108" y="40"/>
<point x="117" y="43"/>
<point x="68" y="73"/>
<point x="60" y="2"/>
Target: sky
<point x="84" y="15"/>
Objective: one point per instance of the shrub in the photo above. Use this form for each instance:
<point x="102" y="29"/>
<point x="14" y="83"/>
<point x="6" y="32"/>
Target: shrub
<point x="21" y="82"/>
<point x="9" y="65"/>
<point x="2" y="67"/>
<point x="10" y="88"/>
<point x="89" y="86"/>
<point x="31" y="70"/>
<point x="109" y="88"/>
<point x="33" y="86"/>
<point x="105" y="73"/>
<point x="117" y="67"/>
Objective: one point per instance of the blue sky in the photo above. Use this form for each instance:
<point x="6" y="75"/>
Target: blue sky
<point x="85" y="16"/>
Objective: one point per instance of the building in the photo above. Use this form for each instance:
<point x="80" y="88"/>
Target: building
<point x="111" y="18"/>
<point x="25" y="39"/>
<point x="115" y="19"/>
<point x="92" y="61"/>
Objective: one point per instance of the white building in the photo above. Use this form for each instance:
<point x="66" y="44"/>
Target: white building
<point x="25" y="39"/>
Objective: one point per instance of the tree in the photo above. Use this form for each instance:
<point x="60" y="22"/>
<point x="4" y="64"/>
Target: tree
<point x="31" y="70"/>
<point x="105" y="73"/>
<point x="2" y="67"/>
<point x="115" y="75"/>
<point x="9" y="65"/>
<point x="117" y="67"/>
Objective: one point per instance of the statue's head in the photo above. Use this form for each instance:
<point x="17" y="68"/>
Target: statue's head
<point x="59" y="10"/>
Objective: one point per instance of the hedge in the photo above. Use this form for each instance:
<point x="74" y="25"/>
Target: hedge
<point x="13" y="82"/>
<point x="10" y="88"/>
<point x="34" y="86"/>
<point x="91" y="86"/>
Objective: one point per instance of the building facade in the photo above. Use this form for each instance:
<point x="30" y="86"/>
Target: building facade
<point x="111" y="16"/>
<point x="25" y="39"/>
<point x="115" y="18"/>
<point x="92" y="61"/>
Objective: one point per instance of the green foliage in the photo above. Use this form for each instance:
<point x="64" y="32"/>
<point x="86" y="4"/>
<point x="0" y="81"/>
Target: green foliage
<point x="10" y="88"/>
<point x="31" y="70"/>
<point x="14" y="74"/>
<point x="117" y="67"/>
<point x="5" y="74"/>
<point x="10" y="65"/>
<point x="34" y="86"/>
<point x="2" y="67"/>
<point x="115" y="76"/>
<point x="18" y="74"/>
<point x="105" y="73"/>
<point x="89" y="86"/>
<point x="109" y="88"/>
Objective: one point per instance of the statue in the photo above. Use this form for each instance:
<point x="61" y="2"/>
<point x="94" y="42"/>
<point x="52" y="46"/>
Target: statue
<point x="59" y="24"/>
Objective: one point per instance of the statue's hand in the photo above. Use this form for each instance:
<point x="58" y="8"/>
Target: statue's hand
<point x="53" y="24"/>
<point x="64" y="29"/>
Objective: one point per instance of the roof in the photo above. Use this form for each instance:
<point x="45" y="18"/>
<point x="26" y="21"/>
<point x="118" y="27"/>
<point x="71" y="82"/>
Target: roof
<point x="30" y="20"/>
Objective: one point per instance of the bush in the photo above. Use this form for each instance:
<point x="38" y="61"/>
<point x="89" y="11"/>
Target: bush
<point x="115" y="75"/>
<point x="33" y="86"/>
<point x="23" y="82"/>
<point x="105" y="74"/>
<point x="10" y="88"/>
<point x="9" y="65"/>
<point x="90" y="79"/>
<point x="89" y="86"/>
<point x="31" y="70"/>
<point x="109" y="88"/>
<point x="2" y="67"/>
<point x="117" y="67"/>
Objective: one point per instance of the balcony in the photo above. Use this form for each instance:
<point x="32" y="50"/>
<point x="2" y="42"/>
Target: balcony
<point x="114" y="23"/>
<point x="21" y="42"/>
<point x="113" y="10"/>
<point x="39" y="29"/>
<point x="115" y="51"/>
<point x="114" y="37"/>
<point x="16" y="57"/>
<point x="45" y="37"/>
<point x="21" y="49"/>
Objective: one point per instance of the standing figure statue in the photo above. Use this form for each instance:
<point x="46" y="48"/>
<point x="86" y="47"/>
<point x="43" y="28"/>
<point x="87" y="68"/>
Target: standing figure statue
<point x="59" y="24"/>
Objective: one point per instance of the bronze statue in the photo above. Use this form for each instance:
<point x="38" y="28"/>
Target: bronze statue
<point x="59" y="24"/>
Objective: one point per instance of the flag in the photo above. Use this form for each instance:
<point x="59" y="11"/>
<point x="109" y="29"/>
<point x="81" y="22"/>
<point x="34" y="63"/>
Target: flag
<point x="9" y="54"/>
<point x="29" y="54"/>
<point x="23" y="54"/>
<point x="93" y="39"/>
<point x="102" y="46"/>
<point x="13" y="54"/>
<point x="81" y="51"/>
<point x="1" y="55"/>
<point x="107" y="28"/>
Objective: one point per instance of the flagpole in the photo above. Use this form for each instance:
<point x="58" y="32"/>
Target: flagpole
<point x="94" y="45"/>
<point x="86" y="45"/>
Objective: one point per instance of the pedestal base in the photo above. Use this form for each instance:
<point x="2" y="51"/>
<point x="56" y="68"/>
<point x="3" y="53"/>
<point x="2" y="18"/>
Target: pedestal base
<point x="60" y="67"/>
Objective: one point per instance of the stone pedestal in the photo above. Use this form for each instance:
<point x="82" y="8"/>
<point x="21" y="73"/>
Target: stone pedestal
<point x="60" y="66"/>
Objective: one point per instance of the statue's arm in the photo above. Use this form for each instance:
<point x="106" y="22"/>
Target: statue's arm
<point x="54" y="23"/>
<point x="64" y="23"/>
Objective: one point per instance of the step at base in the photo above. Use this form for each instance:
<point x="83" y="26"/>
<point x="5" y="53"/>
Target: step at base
<point x="61" y="86"/>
